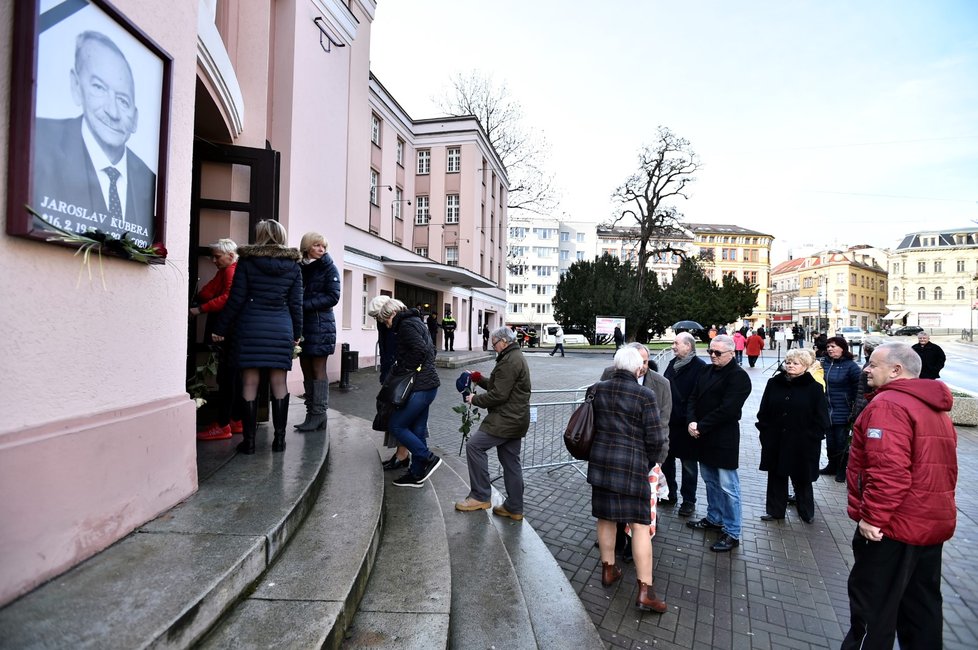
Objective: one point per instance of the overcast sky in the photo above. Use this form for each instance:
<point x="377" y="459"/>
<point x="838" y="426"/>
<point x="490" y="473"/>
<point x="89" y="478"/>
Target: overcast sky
<point x="816" y="122"/>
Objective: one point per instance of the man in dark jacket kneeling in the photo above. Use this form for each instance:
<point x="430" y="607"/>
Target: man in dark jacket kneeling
<point x="507" y="398"/>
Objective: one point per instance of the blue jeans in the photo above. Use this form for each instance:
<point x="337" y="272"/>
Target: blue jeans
<point x="739" y="355"/>
<point x="689" y="472"/>
<point x="722" y="498"/>
<point x="409" y="424"/>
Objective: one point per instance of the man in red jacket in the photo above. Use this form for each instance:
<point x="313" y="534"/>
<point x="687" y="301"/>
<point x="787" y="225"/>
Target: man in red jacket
<point x="901" y="477"/>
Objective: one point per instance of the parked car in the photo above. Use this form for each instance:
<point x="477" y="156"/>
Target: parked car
<point x="852" y="334"/>
<point x="907" y="330"/>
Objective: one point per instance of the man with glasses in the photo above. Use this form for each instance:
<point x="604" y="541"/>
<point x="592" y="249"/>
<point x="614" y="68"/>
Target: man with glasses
<point x="507" y="398"/>
<point x="713" y="412"/>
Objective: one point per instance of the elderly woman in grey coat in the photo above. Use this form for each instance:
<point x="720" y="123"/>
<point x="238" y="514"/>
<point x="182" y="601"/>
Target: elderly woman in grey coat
<point x="628" y="443"/>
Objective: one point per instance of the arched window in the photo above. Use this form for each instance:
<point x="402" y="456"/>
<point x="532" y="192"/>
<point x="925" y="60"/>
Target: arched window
<point x="960" y="293"/>
<point x="921" y="294"/>
<point x="938" y="293"/>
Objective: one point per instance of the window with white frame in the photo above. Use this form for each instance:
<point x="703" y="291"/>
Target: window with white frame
<point x="544" y="271"/>
<point x="564" y="256"/>
<point x="516" y="289"/>
<point x="398" y="199"/>
<point x="544" y="289"/>
<point x="367" y="289"/>
<point x="543" y="308"/>
<point x="451" y="255"/>
<point x="960" y="293"/>
<point x="580" y="256"/>
<point x="938" y="293"/>
<point x="921" y="267"/>
<point x="399" y="152"/>
<point x="938" y="266"/>
<point x="454" y="163"/>
<point x="451" y="208"/>
<point x="375" y="129"/>
<point x="421" y="213"/>
<point x="424" y="161"/>
<point x="960" y="266"/>
<point x="564" y="235"/>
<point x="374" y="182"/>
<point x="515" y="307"/>
<point x="580" y="238"/>
<point x="421" y="250"/>
<point x="921" y="294"/>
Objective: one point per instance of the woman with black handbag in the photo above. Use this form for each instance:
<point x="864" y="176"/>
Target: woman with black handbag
<point x="415" y="357"/>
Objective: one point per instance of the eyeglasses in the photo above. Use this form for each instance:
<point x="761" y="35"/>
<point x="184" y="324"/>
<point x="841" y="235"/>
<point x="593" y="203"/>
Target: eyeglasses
<point x="717" y="353"/>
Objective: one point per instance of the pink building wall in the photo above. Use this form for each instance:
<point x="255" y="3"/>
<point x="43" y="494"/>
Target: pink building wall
<point x="96" y="427"/>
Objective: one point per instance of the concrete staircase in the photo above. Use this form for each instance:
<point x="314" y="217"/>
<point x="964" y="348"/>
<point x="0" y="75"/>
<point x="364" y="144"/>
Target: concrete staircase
<point x="311" y="548"/>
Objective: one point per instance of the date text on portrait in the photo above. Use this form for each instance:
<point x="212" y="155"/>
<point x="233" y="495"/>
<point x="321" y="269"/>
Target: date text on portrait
<point x="80" y="219"/>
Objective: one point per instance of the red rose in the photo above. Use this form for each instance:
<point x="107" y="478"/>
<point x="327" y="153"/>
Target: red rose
<point x="159" y="249"/>
<point x="476" y="377"/>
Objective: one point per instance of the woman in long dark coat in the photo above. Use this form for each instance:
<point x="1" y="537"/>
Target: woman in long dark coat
<point x="387" y="347"/>
<point x="793" y="418"/>
<point x="265" y="308"/>
<point x="320" y="293"/>
<point x="628" y="443"/>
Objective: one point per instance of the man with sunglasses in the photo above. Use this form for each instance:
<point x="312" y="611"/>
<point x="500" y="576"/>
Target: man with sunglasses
<point x="713" y="412"/>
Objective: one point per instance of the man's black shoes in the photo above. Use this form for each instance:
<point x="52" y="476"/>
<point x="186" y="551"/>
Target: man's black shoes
<point x="725" y="543"/>
<point x="703" y="524"/>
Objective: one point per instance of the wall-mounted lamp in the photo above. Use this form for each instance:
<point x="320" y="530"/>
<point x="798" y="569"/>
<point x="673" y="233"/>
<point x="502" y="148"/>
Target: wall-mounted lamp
<point x="321" y="24"/>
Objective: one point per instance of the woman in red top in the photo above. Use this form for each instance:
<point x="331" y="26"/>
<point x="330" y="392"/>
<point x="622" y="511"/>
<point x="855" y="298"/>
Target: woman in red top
<point x="210" y="300"/>
<point x="755" y="344"/>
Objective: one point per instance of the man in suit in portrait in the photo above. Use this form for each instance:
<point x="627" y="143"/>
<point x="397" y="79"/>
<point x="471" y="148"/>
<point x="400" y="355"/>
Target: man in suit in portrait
<point x="84" y="173"/>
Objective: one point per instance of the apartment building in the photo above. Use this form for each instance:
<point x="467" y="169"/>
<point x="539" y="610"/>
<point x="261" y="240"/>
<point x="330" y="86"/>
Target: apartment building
<point x="724" y="250"/>
<point x="541" y="249"/>
<point x="934" y="279"/>
<point x="830" y="290"/>
<point x="433" y="231"/>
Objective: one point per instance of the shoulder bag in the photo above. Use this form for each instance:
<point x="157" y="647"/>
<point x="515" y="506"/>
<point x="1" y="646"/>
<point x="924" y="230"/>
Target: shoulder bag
<point x="398" y="386"/>
<point x="579" y="433"/>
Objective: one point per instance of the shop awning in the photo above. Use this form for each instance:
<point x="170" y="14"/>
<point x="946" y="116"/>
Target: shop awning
<point x="781" y="318"/>
<point x="896" y="315"/>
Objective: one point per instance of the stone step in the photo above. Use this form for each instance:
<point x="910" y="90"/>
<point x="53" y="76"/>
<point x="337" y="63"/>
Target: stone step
<point x="408" y="599"/>
<point x="165" y="584"/>
<point x="462" y="358"/>
<point x="308" y="597"/>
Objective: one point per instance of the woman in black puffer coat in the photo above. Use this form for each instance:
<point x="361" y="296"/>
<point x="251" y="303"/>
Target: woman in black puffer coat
<point x="265" y="308"/>
<point x="841" y="383"/>
<point x="409" y="422"/>
<point x="320" y="293"/>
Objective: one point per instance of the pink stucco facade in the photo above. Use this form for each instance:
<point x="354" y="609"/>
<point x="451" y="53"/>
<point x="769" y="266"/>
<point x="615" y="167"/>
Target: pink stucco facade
<point x="97" y="431"/>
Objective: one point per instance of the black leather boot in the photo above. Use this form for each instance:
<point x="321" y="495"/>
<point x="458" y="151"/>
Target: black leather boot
<point x="280" y="417"/>
<point x="249" y="424"/>
<point x="307" y="398"/>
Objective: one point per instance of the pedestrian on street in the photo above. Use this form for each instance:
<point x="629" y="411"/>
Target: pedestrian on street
<point x="714" y="411"/>
<point x="841" y="382"/>
<point x="792" y="420"/>
<point x="901" y="480"/>
<point x="740" y="342"/>
<point x="320" y="293"/>
<point x="682" y="372"/>
<point x="559" y="341"/>
<point x="432" y="324"/>
<point x="409" y="422"/>
<point x="265" y="310"/>
<point x="629" y="441"/>
<point x="619" y="338"/>
<point x="448" y="326"/>
<point x="485" y="338"/>
<point x="932" y="357"/>
<point x="754" y="347"/>
<point x="507" y="398"/>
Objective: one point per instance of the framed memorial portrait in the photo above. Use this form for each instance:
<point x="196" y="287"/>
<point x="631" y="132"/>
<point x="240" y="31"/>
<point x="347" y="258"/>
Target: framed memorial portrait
<point x="89" y="123"/>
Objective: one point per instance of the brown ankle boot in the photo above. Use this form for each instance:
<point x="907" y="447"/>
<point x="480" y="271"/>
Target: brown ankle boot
<point x="610" y="574"/>
<point x="646" y="599"/>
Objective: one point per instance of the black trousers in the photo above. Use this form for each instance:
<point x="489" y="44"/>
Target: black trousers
<point x="449" y="340"/>
<point x="777" y="496"/>
<point x="894" y="590"/>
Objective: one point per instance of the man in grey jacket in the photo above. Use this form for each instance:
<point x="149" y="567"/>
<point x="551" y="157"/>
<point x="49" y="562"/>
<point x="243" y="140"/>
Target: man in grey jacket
<point x="507" y="398"/>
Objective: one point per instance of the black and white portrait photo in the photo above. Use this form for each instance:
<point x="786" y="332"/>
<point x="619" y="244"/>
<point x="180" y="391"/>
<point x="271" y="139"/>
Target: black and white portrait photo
<point x="97" y="124"/>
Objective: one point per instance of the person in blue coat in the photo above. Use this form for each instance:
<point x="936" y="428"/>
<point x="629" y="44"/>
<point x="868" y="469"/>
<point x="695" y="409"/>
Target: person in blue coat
<point x="265" y="309"/>
<point x="841" y="382"/>
<point x="320" y="293"/>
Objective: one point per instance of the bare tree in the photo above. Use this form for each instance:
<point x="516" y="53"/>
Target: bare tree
<point x="521" y="150"/>
<point x="665" y="169"/>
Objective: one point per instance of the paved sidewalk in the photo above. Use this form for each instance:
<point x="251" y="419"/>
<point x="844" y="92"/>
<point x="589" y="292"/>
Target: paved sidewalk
<point x="785" y="587"/>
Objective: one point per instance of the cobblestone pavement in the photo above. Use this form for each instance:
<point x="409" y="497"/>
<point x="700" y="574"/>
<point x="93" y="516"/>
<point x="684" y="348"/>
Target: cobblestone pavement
<point x="784" y="587"/>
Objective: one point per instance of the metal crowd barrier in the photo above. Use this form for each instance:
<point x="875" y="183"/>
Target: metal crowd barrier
<point x="543" y="446"/>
